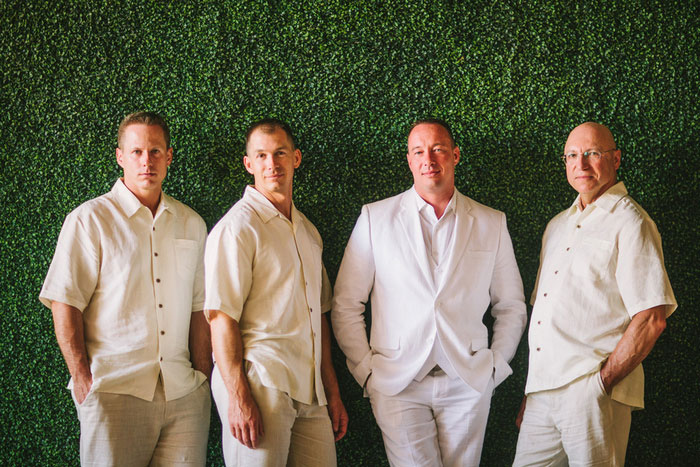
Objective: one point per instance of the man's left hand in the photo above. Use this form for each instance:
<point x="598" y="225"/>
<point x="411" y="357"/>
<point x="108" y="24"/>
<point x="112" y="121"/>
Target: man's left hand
<point x="339" y="417"/>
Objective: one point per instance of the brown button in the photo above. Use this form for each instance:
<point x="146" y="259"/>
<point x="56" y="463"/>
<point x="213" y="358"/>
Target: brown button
<point x="161" y="358"/>
<point x="539" y="322"/>
<point x="556" y="272"/>
<point x="155" y="254"/>
<point x="545" y="294"/>
<point x="578" y="226"/>
<point x="162" y="333"/>
<point x="538" y="349"/>
<point x="154" y="229"/>
<point x="160" y="305"/>
<point x="568" y="249"/>
<point x="157" y="280"/>
<point x="311" y="310"/>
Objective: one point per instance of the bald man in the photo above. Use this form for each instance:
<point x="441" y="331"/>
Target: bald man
<point x="601" y="301"/>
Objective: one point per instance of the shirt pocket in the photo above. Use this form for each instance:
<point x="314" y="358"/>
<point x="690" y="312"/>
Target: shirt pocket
<point x="186" y="257"/>
<point x="593" y="258"/>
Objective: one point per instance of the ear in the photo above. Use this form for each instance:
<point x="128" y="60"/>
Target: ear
<point x="297" y="158"/>
<point x="455" y="153"/>
<point x="248" y="165"/>
<point x="617" y="155"/>
<point x="119" y="158"/>
<point x="169" y="156"/>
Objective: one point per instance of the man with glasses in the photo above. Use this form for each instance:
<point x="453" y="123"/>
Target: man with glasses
<point x="601" y="301"/>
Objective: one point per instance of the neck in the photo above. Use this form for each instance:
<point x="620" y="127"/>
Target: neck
<point x="438" y="200"/>
<point x="281" y="201"/>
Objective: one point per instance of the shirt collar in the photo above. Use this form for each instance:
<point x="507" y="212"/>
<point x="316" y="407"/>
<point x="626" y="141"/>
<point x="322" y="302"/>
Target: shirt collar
<point x="606" y="201"/>
<point x="131" y="204"/>
<point x="264" y="207"/>
<point x="422" y="205"/>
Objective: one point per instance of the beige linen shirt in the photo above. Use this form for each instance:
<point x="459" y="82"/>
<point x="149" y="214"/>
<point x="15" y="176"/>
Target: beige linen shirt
<point x="266" y="272"/>
<point x="598" y="268"/>
<point x="137" y="279"/>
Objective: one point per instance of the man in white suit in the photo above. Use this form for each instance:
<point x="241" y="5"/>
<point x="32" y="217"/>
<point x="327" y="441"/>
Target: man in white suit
<point x="431" y="261"/>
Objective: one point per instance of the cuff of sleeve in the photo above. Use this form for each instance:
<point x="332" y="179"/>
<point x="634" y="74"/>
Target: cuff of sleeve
<point x="362" y="370"/>
<point x="501" y="369"/>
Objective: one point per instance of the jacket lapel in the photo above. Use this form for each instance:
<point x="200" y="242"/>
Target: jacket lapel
<point x="410" y="222"/>
<point x="460" y="237"/>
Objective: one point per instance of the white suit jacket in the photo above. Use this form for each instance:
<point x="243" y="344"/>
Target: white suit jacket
<point x="386" y="261"/>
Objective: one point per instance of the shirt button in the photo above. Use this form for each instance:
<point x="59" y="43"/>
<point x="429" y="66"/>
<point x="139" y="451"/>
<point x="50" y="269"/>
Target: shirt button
<point x="160" y="305"/>
<point x="539" y="322"/>
<point x="162" y="333"/>
<point x="311" y="310"/>
<point x="154" y="229"/>
<point x="578" y="226"/>
<point x="568" y="248"/>
<point x="155" y="254"/>
<point x="556" y="272"/>
<point x="161" y="358"/>
<point x="158" y="280"/>
<point x="545" y="294"/>
<point x="538" y="349"/>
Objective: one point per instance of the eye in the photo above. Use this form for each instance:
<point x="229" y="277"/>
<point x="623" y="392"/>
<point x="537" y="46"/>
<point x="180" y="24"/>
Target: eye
<point x="570" y="156"/>
<point x="594" y="154"/>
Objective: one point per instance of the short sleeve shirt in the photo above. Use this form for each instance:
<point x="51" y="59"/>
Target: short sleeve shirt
<point x="266" y="272"/>
<point x="136" y="278"/>
<point x="598" y="268"/>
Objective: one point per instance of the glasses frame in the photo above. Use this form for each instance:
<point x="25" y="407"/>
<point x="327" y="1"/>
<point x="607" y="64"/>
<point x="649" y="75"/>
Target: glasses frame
<point x="586" y="155"/>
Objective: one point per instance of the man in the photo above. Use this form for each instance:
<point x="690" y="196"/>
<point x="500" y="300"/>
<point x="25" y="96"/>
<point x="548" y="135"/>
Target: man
<point x="273" y="382"/>
<point x="600" y="303"/>
<point x="126" y="289"/>
<point x="432" y="261"/>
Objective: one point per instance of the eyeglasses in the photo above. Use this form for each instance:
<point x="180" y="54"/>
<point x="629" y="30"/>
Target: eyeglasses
<point x="593" y="155"/>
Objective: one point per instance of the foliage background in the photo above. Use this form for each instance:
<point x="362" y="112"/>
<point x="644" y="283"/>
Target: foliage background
<point x="513" y="77"/>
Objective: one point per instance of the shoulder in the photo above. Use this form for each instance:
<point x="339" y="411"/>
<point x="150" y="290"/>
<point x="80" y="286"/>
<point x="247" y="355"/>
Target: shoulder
<point x="387" y="206"/>
<point x="241" y="217"/>
<point x="478" y="209"/>
<point x="95" y="210"/>
<point x="628" y="208"/>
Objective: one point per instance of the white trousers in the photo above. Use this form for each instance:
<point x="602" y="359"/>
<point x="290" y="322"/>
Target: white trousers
<point x="296" y="434"/>
<point x="577" y="424"/>
<point x="121" y="430"/>
<point x="437" y="421"/>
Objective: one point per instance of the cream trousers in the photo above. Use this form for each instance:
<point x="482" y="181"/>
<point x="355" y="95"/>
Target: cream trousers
<point x="121" y="430"/>
<point x="296" y="434"/>
<point x="577" y="425"/>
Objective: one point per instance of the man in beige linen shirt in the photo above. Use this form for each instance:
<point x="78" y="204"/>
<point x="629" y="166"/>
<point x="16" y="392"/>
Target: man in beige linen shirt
<point x="126" y="290"/>
<point x="600" y="303"/>
<point x="266" y="292"/>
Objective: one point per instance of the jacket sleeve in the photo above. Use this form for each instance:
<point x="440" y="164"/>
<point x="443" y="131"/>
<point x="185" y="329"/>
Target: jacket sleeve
<point x="507" y="305"/>
<point x="352" y="289"/>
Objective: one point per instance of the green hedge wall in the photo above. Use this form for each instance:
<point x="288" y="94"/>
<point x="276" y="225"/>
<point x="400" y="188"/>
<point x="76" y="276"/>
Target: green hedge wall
<point x="513" y="77"/>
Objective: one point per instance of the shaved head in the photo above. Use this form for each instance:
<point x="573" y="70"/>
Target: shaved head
<point x="599" y="132"/>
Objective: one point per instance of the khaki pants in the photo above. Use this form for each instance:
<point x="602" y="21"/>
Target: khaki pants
<point x="121" y="430"/>
<point x="577" y="424"/>
<point x="296" y="434"/>
<point x="437" y="421"/>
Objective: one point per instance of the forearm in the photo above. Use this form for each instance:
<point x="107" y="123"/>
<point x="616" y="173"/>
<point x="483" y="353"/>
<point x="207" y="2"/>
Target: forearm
<point x="200" y="343"/>
<point x="227" y="345"/>
<point x="634" y="346"/>
<point x="70" y="334"/>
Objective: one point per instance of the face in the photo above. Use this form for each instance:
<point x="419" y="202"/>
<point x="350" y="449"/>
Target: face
<point x="271" y="158"/>
<point x="432" y="158"/>
<point x="591" y="178"/>
<point x="145" y="158"/>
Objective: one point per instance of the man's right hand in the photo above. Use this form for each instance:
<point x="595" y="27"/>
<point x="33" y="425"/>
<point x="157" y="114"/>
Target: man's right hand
<point x="245" y="420"/>
<point x="521" y="412"/>
<point x="81" y="387"/>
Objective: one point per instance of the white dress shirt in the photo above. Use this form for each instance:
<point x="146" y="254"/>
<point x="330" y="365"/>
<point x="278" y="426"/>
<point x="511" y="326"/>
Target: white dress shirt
<point x="266" y="272"/>
<point x="437" y="235"/>
<point x="137" y="279"/>
<point x="598" y="268"/>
